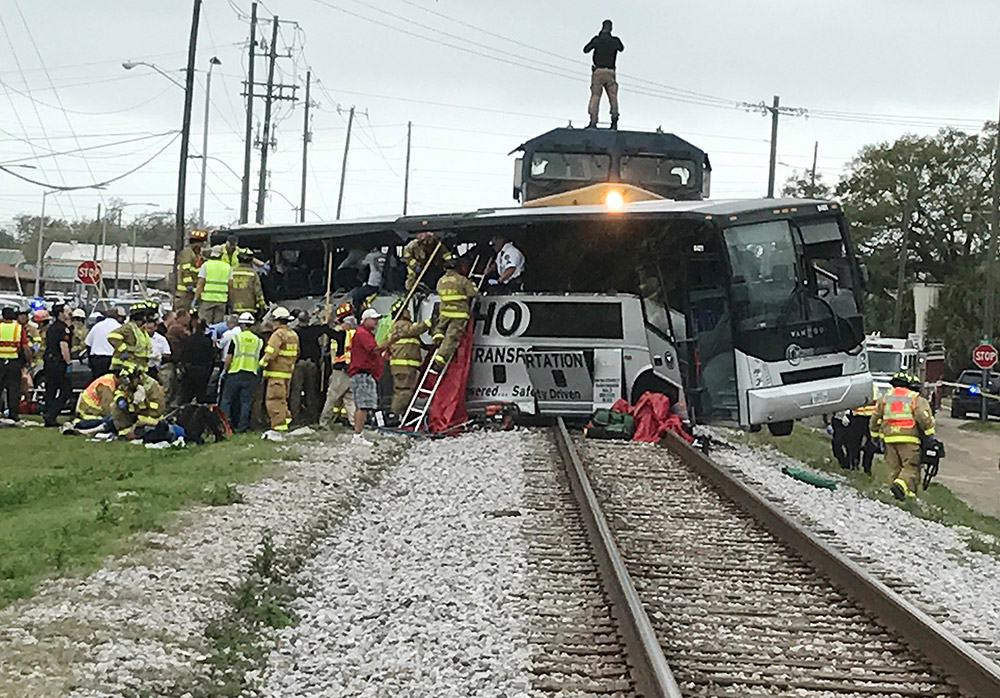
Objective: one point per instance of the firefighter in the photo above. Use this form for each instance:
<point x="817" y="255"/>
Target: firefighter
<point x="79" y="329"/>
<point x="404" y="356"/>
<point x="97" y="398"/>
<point x="214" y="280"/>
<point x="417" y="255"/>
<point x="246" y="294"/>
<point x="339" y="402"/>
<point x="131" y="343"/>
<point x="36" y="336"/>
<point x="902" y="416"/>
<point x="456" y="292"/>
<point x="142" y="407"/>
<point x="189" y="261"/>
<point x="13" y="355"/>
<point x="278" y="362"/>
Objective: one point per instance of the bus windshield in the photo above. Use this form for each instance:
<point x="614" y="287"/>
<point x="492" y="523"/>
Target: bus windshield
<point x="582" y="167"/>
<point x="763" y="259"/>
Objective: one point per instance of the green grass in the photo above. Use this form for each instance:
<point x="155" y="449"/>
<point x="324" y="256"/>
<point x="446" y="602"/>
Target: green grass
<point x="981" y="427"/>
<point x="66" y="503"/>
<point x="937" y="503"/>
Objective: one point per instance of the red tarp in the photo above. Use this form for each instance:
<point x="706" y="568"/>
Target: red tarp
<point x="653" y="418"/>
<point x="448" y="406"/>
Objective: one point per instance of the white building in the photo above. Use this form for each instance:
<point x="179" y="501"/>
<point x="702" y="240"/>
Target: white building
<point x="133" y="267"/>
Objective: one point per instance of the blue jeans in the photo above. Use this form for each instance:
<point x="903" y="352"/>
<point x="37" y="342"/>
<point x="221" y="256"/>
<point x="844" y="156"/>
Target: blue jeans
<point x="237" y="387"/>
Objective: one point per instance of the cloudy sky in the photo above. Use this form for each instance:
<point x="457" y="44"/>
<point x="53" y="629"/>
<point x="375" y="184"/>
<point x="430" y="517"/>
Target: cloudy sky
<point x="476" y="78"/>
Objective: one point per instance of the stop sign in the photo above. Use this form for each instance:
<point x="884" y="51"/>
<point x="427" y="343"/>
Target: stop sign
<point x="984" y="356"/>
<point x="88" y="272"/>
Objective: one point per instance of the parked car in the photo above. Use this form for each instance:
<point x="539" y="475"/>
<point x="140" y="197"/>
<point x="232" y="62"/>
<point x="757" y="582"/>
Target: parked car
<point x="965" y="401"/>
<point x="13" y="300"/>
<point x="79" y="378"/>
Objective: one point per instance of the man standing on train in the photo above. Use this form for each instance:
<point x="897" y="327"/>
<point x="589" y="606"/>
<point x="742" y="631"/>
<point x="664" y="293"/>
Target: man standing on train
<point x="606" y="48"/>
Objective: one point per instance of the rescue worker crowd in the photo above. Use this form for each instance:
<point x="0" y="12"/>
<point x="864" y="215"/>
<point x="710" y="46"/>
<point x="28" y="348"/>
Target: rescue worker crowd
<point x="899" y="423"/>
<point x="265" y="368"/>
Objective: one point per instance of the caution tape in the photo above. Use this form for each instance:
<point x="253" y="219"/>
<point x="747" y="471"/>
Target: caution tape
<point x="991" y="396"/>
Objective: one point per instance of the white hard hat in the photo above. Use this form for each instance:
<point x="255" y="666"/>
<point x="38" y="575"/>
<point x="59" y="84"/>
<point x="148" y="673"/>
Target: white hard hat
<point x="80" y="313"/>
<point x="370" y="313"/>
<point x="247" y="319"/>
<point x="280" y="313"/>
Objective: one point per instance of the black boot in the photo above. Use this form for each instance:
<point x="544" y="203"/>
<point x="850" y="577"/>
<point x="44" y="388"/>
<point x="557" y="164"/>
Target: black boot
<point x="592" y="124"/>
<point x="614" y="123"/>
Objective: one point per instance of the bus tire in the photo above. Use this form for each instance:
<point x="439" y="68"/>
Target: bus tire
<point x="652" y="383"/>
<point x="781" y="428"/>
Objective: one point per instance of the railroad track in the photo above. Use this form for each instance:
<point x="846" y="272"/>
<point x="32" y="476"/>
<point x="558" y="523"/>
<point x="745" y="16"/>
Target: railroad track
<point x="714" y="591"/>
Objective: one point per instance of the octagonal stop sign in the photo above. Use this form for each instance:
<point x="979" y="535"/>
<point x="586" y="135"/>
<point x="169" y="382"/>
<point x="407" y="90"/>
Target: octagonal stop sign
<point x="984" y="356"/>
<point x="88" y="272"/>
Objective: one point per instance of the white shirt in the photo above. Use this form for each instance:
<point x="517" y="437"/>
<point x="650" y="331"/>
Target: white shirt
<point x="226" y="338"/>
<point x="375" y="261"/>
<point x="97" y="338"/>
<point x="160" y="348"/>
<point x="509" y="256"/>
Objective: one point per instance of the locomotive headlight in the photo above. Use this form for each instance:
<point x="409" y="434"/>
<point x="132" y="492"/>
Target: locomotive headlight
<point x="614" y="201"/>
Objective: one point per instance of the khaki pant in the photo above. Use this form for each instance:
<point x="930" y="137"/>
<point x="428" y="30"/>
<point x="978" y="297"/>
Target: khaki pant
<point x="276" y="402"/>
<point x="212" y="312"/>
<point x="904" y="461"/>
<point x="183" y="300"/>
<point x="603" y="80"/>
<point x="449" y="330"/>
<point x="304" y="398"/>
<point x="339" y="401"/>
<point x="404" y="382"/>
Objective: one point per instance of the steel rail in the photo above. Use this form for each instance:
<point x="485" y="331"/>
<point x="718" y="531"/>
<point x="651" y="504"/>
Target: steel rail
<point x="970" y="669"/>
<point x="650" y="670"/>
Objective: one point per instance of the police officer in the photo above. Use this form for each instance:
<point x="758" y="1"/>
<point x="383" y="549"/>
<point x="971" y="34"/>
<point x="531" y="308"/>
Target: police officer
<point x="901" y="417"/>
<point x="246" y="294"/>
<point x="13" y="355"/>
<point x="58" y="339"/>
<point x="189" y="261"/>
<point x="339" y="401"/>
<point x="242" y="365"/>
<point x="131" y="343"/>
<point x="278" y="362"/>
<point x="212" y="291"/>
<point x="404" y="356"/>
<point x="456" y="293"/>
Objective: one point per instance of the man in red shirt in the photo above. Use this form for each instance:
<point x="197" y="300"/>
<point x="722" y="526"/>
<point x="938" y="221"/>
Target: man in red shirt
<point x="365" y="369"/>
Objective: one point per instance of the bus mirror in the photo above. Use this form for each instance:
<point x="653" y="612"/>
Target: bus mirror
<point x="518" y="177"/>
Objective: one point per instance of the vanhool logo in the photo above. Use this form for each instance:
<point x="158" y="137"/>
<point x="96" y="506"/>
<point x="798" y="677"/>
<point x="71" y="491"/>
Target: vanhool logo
<point x="807" y="332"/>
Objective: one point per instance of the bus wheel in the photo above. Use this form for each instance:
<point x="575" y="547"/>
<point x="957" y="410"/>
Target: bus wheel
<point x="781" y="428"/>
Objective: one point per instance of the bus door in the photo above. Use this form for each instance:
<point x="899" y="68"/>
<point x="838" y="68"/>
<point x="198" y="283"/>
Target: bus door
<point x="711" y="366"/>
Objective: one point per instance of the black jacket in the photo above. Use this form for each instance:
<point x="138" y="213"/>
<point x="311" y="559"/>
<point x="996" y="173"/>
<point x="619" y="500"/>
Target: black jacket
<point x="605" y="48"/>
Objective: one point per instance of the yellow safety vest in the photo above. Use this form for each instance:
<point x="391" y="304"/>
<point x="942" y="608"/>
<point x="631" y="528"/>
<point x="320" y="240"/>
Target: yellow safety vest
<point x="345" y="356"/>
<point x="246" y="352"/>
<point x="10" y="340"/>
<point x="96" y="399"/>
<point x="216" y="281"/>
<point x="132" y="346"/>
<point x="898" y="423"/>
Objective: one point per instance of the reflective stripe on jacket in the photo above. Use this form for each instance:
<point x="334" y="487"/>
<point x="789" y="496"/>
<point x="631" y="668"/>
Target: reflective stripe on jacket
<point x="246" y="294"/>
<point x="132" y="346"/>
<point x="188" y="263"/>
<point x="280" y="353"/>
<point x="246" y="352"/>
<point x="216" y="288"/>
<point x="96" y="399"/>
<point x="902" y="416"/>
<point x="10" y="340"/>
<point x="455" y="291"/>
<point x="344" y="357"/>
<point x="405" y="349"/>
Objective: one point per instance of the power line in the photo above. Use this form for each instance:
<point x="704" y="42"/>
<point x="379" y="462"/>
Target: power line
<point x="92" y="147"/>
<point x="85" y="113"/>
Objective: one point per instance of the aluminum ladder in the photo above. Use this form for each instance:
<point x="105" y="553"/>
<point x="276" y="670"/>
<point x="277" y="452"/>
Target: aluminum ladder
<point x="420" y="404"/>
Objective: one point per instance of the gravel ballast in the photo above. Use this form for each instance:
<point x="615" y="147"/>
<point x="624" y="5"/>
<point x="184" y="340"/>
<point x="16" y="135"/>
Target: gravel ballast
<point x="137" y="625"/>
<point x="929" y="563"/>
<point x="422" y="590"/>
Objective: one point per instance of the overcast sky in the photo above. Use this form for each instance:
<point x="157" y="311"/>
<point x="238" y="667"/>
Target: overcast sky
<point x="867" y="70"/>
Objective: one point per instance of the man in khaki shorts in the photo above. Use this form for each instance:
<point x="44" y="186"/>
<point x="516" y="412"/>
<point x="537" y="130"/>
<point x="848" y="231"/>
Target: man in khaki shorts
<point x="606" y="49"/>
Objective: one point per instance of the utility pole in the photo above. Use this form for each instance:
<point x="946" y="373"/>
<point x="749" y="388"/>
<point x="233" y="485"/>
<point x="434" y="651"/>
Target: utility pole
<point x="204" y="142"/>
<point x="991" y="260"/>
<point x="406" y="178"/>
<point x="343" y="167"/>
<point x="97" y="232"/>
<point x="774" y="111"/>
<point x="248" y="137"/>
<point x="306" y="137"/>
<point x="774" y="147"/>
<point x="812" y="180"/>
<point x="901" y="268"/>
<point x="266" y="139"/>
<point x="186" y="128"/>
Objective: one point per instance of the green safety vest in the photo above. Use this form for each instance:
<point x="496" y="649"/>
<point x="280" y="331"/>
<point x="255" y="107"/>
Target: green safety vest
<point x="216" y="281"/>
<point x="246" y="352"/>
